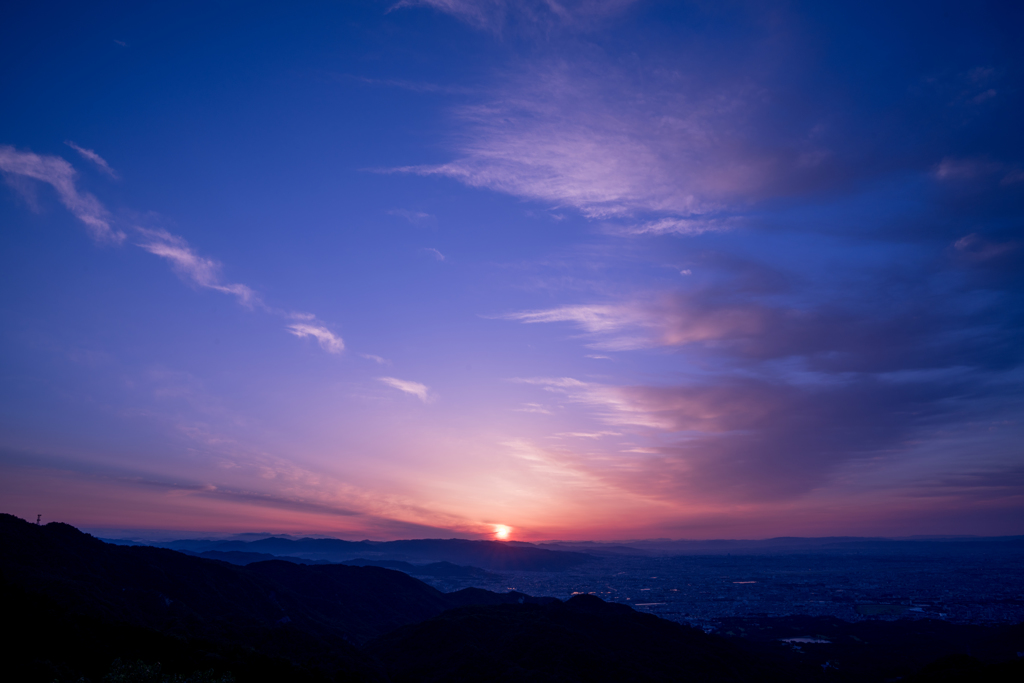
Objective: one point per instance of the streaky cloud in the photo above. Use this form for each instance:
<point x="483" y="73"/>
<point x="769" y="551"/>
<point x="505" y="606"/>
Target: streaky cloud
<point x="496" y="16"/>
<point x="329" y="342"/>
<point x="192" y="267"/>
<point x="61" y="175"/>
<point x="668" y="320"/>
<point x="679" y="226"/>
<point x="591" y="317"/>
<point x="205" y="272"/>
<point x="648" y="158"/>
<point x="95" y="158"/>
<point x="414" y="217"/>
<point x="244" y="497"/>
<point x="420" y="391"/>
<point x="415" y="86"/>
<point x="534" y="408"/>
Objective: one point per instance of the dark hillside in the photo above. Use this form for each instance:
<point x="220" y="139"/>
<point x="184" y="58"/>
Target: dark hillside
<point x="183" y="595"/>
<point x="582" y="640"/>
<point x="360" y="602"/>
<point x="47" y="643"/>
<point x="311" y="616"/>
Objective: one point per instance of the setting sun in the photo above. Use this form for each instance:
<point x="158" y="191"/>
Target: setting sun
<point x="501" y="532"/>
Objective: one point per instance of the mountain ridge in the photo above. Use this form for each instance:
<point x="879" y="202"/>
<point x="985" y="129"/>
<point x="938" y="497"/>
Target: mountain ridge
<point x="489" y="555"/>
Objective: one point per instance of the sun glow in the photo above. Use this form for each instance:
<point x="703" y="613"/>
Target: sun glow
<point x="501" y="532"/>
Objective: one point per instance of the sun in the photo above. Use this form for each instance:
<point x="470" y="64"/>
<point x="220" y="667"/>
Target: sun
<point x="501" y="532"/>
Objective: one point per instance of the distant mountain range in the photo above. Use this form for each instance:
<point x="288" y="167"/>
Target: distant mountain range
<point x="490" y="555"/>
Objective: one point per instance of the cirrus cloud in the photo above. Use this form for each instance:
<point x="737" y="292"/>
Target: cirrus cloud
<point x="184" y="260"/>
<point x="95" y="158"/>
<point x="329" y="342"/>
<point x="58" y="173"/>
<point x="420" y="391"/>
<point x="496" y="15"/>
<point x="192" y="267"/>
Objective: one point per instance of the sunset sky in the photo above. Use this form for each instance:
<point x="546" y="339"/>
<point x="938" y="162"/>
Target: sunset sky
<point x="585" y="269"/>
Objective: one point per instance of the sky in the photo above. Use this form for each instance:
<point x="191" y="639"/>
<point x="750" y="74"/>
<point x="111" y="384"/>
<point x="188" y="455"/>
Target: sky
<point x="573" y="269"/>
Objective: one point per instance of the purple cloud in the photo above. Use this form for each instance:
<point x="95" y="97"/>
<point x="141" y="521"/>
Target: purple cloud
<point x="668" y="153"/>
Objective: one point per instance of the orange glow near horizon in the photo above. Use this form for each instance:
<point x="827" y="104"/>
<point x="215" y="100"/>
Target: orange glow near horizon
<point x="501" y="532"/>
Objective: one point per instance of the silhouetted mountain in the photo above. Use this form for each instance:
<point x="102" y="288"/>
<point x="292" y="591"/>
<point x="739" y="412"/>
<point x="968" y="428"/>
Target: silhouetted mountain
<point x="241" y="558"/>
<point x="584" y="640"/>
<point x="176" y="593"/>
<point x="47" y="643"/>
<point x="309" y="614"/>
<point x="493" y="555"/>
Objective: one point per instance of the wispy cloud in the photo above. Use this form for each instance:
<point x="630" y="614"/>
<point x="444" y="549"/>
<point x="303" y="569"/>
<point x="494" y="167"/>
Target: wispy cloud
<point x="206" y="273"/>
<point x="680" y="226"/>
<point x="61" y="175"/>
<point x="376" y="359"/>
<point x="652" y="148"/>
<point x="245" y="497"/>
<point x="192" y="267"/>
<point x="784" y="394"/>
<point x="977" y="248"/>
<point x="973" y="169"/>
<point x="588" y="435"/>
<point x="609" y="150"/>
<point x="496" y="16"/>
<point x="434" y="252"/>
<point x="414" y="217"/>
<point x="592" y="317"/>
<point x="95" y="158"/>
<point x="184" y="260"/>
<point x="668" y="320"/>
<point x="755" y="439"/>
<point x="329" y="342"/>
<point x="413" y="86"/>
<point x="611" y="405"/>
<point x="420" y="391"/>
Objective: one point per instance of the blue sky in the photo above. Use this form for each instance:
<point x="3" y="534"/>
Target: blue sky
<point x="598" y="269"/>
